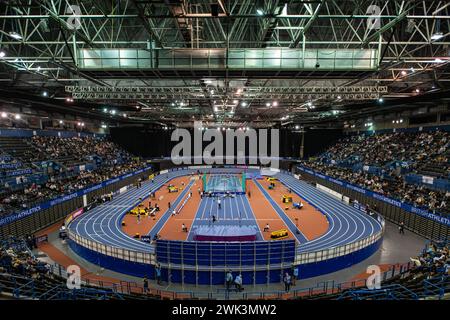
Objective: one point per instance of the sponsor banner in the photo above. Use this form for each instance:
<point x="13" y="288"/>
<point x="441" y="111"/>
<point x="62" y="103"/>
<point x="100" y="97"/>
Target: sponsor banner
<point x="427" y="179"/>
<point x="18" y="172"/>
<point x="329" y="191"/>
<point x="5" y="157"/>
<point x="163" y="171"/>
<point x="13" y="165"/>
<point x="43" y="206"/>
<point x="73" y="216"/>
<point x="123" y="189"/>
<point x="405" y="206"/>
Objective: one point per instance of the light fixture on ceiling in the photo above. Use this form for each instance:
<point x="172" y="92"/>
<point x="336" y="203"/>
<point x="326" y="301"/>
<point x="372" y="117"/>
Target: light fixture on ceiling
<point x="44" y="93"/>
<point x="4" y="115"/>
<point x="275" y="103"/>
<point x="437" y="33"/>
<point x="2" y="54"/>
<point x="15" y="35"/>
<point x="259" y="12"/>
<point x="436" y="36"/>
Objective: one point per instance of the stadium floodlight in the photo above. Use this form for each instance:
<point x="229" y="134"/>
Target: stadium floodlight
<point x="44" y="93"/>
<point x="15" y="35"/>
<point x="297" y="127"/>
<point x="113" y="112"/>
<point x="105" y="110"/>
<point x="235" y="101"/>
<point x="275" y="103"/>
<point x="267" y="104"/>
<point x="243" y="103"/>
<point x="61" y="122"/>
<point x="4" y="115"/>
<point x="17" y="117"/>
<point x="380" y="100"/>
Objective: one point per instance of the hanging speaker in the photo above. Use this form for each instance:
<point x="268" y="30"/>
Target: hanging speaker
<point x="215" y="10"/>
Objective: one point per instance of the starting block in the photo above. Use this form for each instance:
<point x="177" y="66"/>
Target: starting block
<point x="286" y="199"/>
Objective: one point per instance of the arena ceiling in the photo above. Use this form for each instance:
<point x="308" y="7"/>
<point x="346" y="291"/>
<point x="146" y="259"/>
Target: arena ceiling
<point x="233" y="63"/>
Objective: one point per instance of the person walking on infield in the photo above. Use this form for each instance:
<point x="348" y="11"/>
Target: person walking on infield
<point x="138" y="218"/>
<point x="287" y="282"/>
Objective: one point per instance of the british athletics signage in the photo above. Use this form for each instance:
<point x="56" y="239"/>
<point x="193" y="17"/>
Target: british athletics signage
<point x="405" y="206"/>
<point x="45" y="205"/>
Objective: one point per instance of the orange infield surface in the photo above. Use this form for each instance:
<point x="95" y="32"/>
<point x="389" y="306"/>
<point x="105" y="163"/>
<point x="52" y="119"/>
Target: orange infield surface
<point x="264" y="212"/>
<point x="162" y="198"/>
<point x="311" y="222"/>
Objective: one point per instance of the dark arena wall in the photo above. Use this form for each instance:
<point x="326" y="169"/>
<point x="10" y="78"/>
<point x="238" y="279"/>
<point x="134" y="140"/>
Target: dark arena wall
<point x="141" y="141"/>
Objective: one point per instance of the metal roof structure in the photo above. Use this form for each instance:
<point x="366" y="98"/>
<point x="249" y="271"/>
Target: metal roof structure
<point x="225" y="62"/>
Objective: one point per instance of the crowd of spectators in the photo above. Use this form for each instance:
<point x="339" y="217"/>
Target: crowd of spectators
<point x="434" y="260"/>
<point x="55" y="187"/>
<point x="16" y="258"/>
<point x="114" y="162"/>
<point x="79" y="148"/>
<point x="418" y="149"/>
<point x="390" y="185"/>
<point x="380" y="149"/>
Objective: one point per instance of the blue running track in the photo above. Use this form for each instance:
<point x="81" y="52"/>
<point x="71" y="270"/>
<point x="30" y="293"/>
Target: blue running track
<point x="103" y="223"/>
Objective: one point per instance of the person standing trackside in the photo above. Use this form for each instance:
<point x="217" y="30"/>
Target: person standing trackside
<point x="287" y="282"/>
<point x="401" y="228"/>
<point x="219" y="203"/>
<point x="158" y="274"/>
<point x="294" y="275"/>
<point x="229" y="279"/>
<point x="145" y="284"/>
